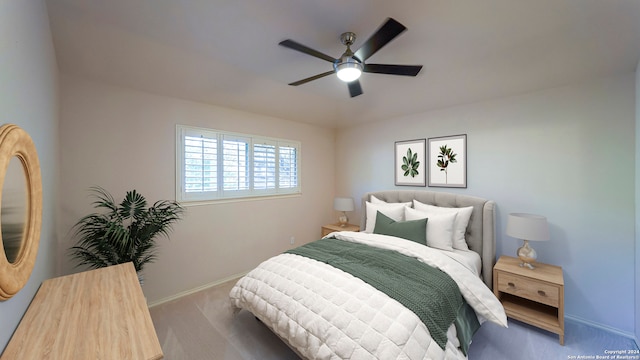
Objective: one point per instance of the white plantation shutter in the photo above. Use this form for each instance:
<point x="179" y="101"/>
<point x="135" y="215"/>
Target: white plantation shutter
<point x="264" y="166"/>
<point x="214" y="165"/>
<point x="288" y="167"/>
<point x="235" y="168"/>
<point x="199" y="168"/>
<point x="201" y="160"/>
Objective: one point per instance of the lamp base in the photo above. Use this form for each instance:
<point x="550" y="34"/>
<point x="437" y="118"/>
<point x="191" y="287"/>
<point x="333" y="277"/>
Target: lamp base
<point x="343" y="220"/>
<point x="527" y="255"/>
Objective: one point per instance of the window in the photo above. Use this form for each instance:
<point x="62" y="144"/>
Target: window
<point x="213" y="165"/>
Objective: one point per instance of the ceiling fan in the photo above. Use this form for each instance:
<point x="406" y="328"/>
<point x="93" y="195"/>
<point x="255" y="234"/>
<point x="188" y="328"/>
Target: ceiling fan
<point x="351" y="64"/>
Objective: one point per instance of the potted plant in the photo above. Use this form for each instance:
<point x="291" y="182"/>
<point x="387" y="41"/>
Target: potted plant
<point x="125" y="232"/>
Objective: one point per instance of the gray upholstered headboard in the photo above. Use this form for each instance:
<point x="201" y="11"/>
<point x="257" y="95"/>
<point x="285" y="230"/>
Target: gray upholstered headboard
<point x="480" y="234"/>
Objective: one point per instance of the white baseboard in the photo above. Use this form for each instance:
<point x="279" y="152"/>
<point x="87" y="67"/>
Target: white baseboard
<point x="602" y="327"/>
<point x="195" y="290"/>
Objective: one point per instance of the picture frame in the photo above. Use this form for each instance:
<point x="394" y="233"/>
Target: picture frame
<point x="448" y="161"/>
<point x="410" y="167"/>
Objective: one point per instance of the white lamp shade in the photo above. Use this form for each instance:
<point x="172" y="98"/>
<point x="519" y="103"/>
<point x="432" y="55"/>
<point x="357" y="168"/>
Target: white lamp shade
<point x="528" y="227"/>
<point x="343" y="204"/>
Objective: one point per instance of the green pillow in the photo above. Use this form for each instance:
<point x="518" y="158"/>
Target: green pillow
<point x="414" y="230"/>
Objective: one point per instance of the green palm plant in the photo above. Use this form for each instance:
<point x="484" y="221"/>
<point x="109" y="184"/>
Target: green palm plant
<point x="124" y="232"/>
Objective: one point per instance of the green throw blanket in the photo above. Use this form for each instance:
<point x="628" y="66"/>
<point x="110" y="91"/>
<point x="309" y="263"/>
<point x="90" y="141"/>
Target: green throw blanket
<point x="429" y="292"/>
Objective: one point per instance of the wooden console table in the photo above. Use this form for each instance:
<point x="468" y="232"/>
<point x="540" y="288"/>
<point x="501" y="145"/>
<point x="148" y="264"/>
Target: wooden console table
<point x="97" y="314"/>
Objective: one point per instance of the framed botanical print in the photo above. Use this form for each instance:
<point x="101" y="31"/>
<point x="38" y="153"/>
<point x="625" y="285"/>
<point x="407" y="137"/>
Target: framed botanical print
<point x="410" y="165"/>
<point x="448" y="161"/>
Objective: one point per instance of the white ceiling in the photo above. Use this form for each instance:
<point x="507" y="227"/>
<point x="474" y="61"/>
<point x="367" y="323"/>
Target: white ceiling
<point x="226" y="52"/>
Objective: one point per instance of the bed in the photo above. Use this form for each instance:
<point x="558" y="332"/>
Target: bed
<point x="361" y="295"/>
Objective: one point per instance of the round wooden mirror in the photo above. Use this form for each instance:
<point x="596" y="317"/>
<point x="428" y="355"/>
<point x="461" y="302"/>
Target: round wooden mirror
<point x="21" y="211"/>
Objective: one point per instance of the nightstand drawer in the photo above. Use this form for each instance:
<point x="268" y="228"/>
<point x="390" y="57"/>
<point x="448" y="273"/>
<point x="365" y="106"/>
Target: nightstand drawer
<point x="528" y="289"/>
<point x="328" y="229"/>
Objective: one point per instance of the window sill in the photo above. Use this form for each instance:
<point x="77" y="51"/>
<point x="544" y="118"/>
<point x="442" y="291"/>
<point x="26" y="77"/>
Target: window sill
<point x="190" y="203"/>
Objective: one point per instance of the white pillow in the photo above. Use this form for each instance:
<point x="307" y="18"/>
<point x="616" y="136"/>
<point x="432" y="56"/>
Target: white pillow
<point x="392" y="210"/>
<point x="375" y="200"/>
<point x="439" y="227"/>
<point x="460" y="225"/>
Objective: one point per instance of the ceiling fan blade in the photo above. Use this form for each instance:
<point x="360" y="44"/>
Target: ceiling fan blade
<point x="354" y="88"/>
<point x="387" y="32"/>
<point x="309" y="51"/>
<point x="406" y="70"/>
<point x="304" y="81"/>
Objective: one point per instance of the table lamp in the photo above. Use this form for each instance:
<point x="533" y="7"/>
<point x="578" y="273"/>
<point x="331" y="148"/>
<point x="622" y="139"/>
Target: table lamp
<point x="344" y="205"/>
<point x="528" y="227"/>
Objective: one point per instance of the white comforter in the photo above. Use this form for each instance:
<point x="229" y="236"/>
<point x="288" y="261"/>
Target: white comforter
<point x="325" y="313"/>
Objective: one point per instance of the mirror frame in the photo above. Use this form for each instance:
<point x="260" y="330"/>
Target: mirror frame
<point x="14" y="275"/>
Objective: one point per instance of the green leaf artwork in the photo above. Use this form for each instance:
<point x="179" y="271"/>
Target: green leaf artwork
<point x="446" y="157"/>
<point x="410" y="164"/>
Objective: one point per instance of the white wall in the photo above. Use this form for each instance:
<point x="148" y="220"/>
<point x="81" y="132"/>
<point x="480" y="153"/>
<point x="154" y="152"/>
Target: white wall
<point x="123" y="139"/>
<point x="566" y="153"/>
<point x="29" y="98"/>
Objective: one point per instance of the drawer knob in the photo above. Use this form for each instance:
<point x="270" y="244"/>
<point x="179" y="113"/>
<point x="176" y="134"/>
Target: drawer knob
<point x="541" y="293"/>
<point x="511" y="284"/>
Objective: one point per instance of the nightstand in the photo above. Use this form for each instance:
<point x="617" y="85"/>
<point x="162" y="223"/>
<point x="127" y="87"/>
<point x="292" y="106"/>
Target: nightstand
<point x="328" y="229"/>
<point x="535" y="297"/>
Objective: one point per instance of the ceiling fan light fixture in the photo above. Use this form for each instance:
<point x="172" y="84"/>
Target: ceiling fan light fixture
<point x="351" y="65"/>
<point x="349" y="70"/>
